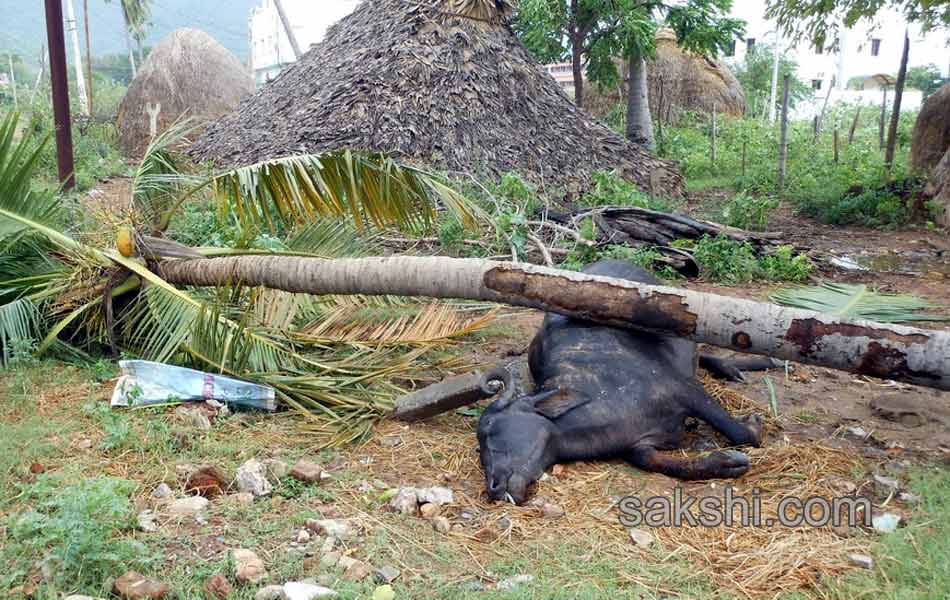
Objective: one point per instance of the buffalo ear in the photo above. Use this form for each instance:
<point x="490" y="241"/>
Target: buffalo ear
<point x="555" y="403"/>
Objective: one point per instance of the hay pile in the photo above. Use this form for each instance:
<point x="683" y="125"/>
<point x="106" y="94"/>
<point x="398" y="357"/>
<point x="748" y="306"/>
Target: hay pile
<point x="679" y="82"/>
<point x="939" y="188"/>
<point x="422" y="82"/>
<point x="188" y="73"/>
<point x="753" y="562"/>
<point x="931" y="137"/>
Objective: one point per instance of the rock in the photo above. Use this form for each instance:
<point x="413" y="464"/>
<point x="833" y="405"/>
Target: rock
<point x="206" y="480"/>
<point x="386" y="574"/>
<point x="252" y="479"/>
<point x="885" y="523"/>
<point x="357" y="571"/>
<point x="134" y="586"/>
<point x="194" y="416"/>
<point x="486" y="535"/>
<point x="341" y="529"/>
<point x="641" y="538"/>
<point x="306" y="471"/>
<point x="146" y="521"/>
<point x="886" y="486"/>
<point x="504" y="523"/>
<point x="270" y="592"/>
<point x="513" y="582"/>
<point x="384" y="592"/>
<point x="303" y="536"/>
<point x="390" y="441"/>
<point x="248" y="568"/>
<point x="435" y="495"/>
<point x="84" y="444"/>
<point x="219" y="587"/>
<point x="552" y="511"/>
<point x="441" y="524"/>
<point x="330" y="560"/>
<point x="406" y="501"/>
<point x="275" y="469"/>
<point x="328" y="545"/>
<point x="162" y="491"/>
<point x="429" y="510"/>
<point x="908" y="498"/>
<point x="346" y="562"/>
<point x="857" y="432"/>
<point x="861" y="560"/>
<point x="299" y="590"/>
<point x="469" y="513"/>
<point x="188" y="507"/>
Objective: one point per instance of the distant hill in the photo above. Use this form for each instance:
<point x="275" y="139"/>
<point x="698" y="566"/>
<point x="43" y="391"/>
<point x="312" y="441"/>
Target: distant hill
<point x="23" y="24"/>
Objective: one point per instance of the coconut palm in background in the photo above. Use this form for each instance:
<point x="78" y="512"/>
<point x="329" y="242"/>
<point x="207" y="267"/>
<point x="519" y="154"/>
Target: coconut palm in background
<point x="135" y="15"/>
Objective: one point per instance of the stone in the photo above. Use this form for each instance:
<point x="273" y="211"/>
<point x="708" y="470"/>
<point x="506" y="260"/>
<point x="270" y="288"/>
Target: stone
<point x="341" y="529"/>
<point x="885" y="523"/>
<point x="469" y="513"/>
<point x="206" y="480"/>
<point x="390" y="441"/>
<point x="275" y="469"/>
<point x="146" y="521"/>
<point x="330" y="560"/>
<point x="162" y="491"/>
<point x="252" y="479"/>
<point x="194" y="416"/>
<point x="857" y="432"/>
<point x="135" y="586"/>
<point x="640" y="537"/>
<point x="188" y="507"/>
<point x="513" y="582"/>
<point x="218" y="587"/>
<point x="384" y="592"/>
<point x="303" y="536"/>
<point x="299" y="590"/>
<point x="486" y="535"/>
<point x="429" y="510"/>
<point x="861" y="560"/>
<point x="357" y="571"/>
<point x="306" y="471"/>
<point x="886" y="486"/>
<point x="270" y="592"/>
<point x="908" y="498"/>
<point x="405" y="502"/>
<point x="441" y="524"/>
<point x="386" y="574"/>
<point x="248" y="567"/>
<point x="328" y="545"/>
<point x="435" y="495"/>
<point x="84" y="444"/>
<point x="552" y="511"/>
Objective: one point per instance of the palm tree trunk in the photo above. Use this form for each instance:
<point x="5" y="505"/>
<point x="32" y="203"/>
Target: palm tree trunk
<point x="128" y="43"/>
<point x="896" y="111"/>
<point x="892" y="351"/>
<point x="639" y="121"/>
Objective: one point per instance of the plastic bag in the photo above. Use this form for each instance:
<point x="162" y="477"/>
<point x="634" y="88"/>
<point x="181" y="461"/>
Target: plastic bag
<point x="145" y="383"/>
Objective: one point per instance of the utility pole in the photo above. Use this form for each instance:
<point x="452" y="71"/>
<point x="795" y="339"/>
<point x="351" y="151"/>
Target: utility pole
<point x="77" y="57"/>
<point x="290" y="32"/>
<point x="39" y="78"/>
<point x="16" y="104"/>
<point x="85" y="20"/>
<point x="56" y="39"/>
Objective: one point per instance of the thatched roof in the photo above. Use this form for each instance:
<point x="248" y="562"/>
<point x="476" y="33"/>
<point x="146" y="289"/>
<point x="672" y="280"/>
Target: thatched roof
<point x="931" y="137"/>
<point x="679" y="82"/>
<point x="938" y="187"/>
<point x="188" y="73"/>
<point x="427" y="82"/>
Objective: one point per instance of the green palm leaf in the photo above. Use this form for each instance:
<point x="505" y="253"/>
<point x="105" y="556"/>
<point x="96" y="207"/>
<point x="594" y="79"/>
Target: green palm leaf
<point x="858" y="302"/>
<point x="19" y="322"/>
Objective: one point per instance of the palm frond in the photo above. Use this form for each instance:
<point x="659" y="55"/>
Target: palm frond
<point x="858" y="302"/>
<point x="19" y="322"/>
<point x="368" y="188"/>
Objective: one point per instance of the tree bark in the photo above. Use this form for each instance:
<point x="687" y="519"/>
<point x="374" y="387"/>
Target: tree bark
<point x="639" y="122"/>
<point x="896" y="111"/>
<point x="891" y="351"/>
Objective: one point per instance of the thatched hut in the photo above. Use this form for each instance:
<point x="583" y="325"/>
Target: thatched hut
<point x="443" y="83"/>
<point x="679" y="82"/>
<point x="931" y="137"/>
<point x="187" y="74"/>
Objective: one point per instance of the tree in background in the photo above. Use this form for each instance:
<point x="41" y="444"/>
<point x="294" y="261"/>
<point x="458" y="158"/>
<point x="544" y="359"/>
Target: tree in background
<point x="927" y="79"/>
<point x="135" y="15"/>
<point x="755" y="75"/>
<point x="595" y="33"/>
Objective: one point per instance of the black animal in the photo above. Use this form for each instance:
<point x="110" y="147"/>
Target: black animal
<point x="604" y="392"/>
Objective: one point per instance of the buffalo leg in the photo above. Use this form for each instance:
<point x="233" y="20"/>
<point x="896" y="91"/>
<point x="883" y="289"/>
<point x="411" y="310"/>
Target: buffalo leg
<point x="731" y="368"/>
<point x="718" y="465"/>
<point x="741" y="434"/>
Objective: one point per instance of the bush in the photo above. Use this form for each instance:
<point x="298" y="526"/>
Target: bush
<point x="727" y="261"/>
<point x="612" y="190"/>
<point x="747" y="212"/>
<point x="785" y="265"/>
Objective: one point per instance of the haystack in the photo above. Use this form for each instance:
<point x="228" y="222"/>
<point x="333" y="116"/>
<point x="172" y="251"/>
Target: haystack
<point x="680" y="82"/>
<point x="437" y="83"/>
<point x="938" y="187"/>
<point x="187" y="74"/>
<point x="932" y="132"/>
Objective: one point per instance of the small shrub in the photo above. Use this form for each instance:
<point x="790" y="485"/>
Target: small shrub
<point x="748" y="212"/>
<point x="116" y="425"/>
<point x="612" y="190"/>
<point x="785" y="265"/>
<point x="726" y="260"/>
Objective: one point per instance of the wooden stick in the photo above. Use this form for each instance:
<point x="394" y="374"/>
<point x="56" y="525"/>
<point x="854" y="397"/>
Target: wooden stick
<point x="448" y="394"/>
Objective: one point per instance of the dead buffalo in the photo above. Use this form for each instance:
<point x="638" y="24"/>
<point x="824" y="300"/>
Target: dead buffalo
<point x="603" y="392"/>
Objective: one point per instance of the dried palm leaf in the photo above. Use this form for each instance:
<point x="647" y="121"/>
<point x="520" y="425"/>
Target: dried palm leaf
<point x="857" y="301"/>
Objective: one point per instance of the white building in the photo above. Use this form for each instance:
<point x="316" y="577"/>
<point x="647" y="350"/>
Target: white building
<point x="865" y="52"/>
<point x="270" y="47"/>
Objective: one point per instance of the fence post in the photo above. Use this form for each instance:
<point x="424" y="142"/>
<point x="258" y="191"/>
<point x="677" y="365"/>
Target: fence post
<point x="712" y="149"/>
<point x="836" y="144"/>
<point x="854" y="125"/>
<point x="783" y="141"/>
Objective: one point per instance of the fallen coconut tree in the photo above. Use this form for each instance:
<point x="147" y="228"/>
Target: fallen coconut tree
<point x="888" y="351"/>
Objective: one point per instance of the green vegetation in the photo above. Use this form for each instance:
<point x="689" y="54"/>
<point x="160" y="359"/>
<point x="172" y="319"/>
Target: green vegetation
<point x="728" y="261"/>
<point x="755" y="75"/>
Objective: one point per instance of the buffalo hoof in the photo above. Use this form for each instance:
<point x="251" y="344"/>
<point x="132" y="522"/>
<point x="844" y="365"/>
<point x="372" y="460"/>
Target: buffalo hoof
<point x="755" y="423"/>
<point x="728" y="464"/>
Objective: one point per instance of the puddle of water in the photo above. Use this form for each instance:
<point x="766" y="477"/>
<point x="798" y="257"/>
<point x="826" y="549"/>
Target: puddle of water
<point x="904" y="262"/>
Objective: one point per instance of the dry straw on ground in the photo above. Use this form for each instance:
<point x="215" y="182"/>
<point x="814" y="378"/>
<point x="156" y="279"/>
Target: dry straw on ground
<point x="753" y="562"/>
